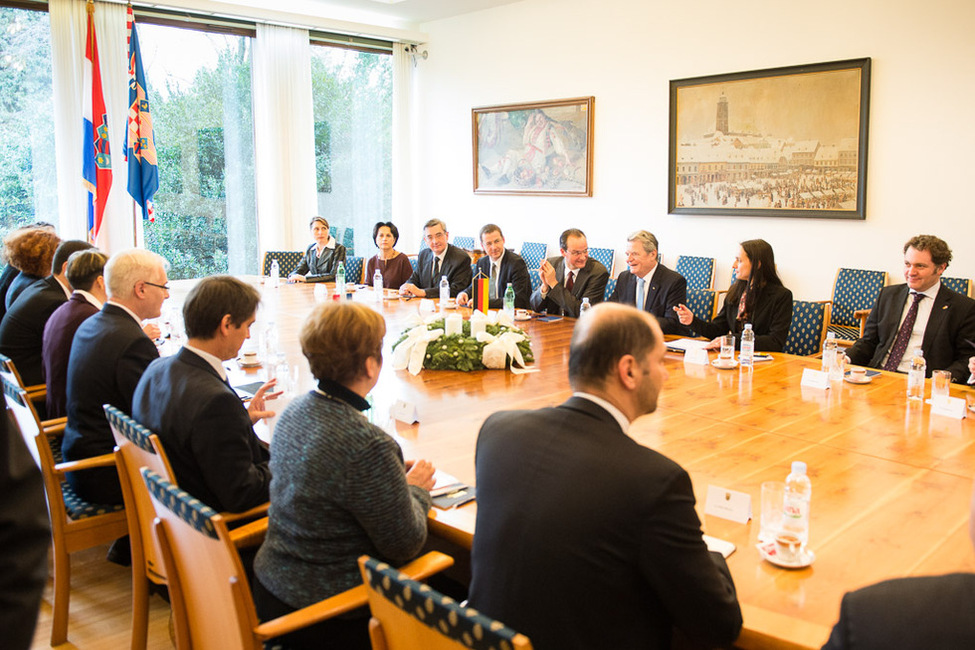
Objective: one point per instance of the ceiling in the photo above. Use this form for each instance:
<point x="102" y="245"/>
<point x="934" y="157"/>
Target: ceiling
<point x="405" y="14"/>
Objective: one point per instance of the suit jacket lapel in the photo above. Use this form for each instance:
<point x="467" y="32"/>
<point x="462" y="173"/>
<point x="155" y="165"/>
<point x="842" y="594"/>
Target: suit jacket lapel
<point x="939" y="312"/>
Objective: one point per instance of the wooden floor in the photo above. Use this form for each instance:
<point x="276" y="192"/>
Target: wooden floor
<point x="101" y="608"/>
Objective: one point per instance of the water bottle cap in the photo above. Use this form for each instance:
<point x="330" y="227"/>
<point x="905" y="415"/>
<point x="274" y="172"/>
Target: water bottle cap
<point x="918" y="352"/>
<point x="748" y="326"/>
<point x="798" y="467"/>
<point x="831" y="335"/>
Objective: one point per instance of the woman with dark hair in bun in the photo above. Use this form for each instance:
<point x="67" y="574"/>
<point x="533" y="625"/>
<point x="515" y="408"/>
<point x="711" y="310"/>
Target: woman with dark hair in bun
<point x="393" y="265"/>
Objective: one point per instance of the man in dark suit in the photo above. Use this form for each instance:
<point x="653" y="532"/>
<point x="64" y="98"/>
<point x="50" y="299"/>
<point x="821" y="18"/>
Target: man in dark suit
<point x="109" y="353"/>
<point x="85" y="274"/>
<point x="914" y="613"/>
<point x="186" y="400"/>
<point x="502" y="267"/>
<point x="935" y="319"/>
<point x="566" y="280"/>
<point x="22" y="328"/>
<point x="438" y="260"/>
<point x="648" y="285"/>
<point x="585" y="538"/>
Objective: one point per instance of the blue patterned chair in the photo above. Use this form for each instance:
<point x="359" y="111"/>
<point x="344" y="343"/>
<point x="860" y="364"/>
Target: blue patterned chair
<point x="604" y="255"/>
<point x="467" y="243"/>
<point x="410" y="614"/>
<point x="211" y="600"/>
<point x="959" y="285"/>
<point x="698" y="271"/>
<point x="76" y="524"/>
<point x="808" y="327"/>
<point x="348" y="240"/>
<point x="610" y="287"/>
<point x="287" y="262"/>
<point x="535" y="278"/>
<point x="533" y="253"/>
<point x="353" y="270"/>
<point x="702" y="302"/>
<point x="854" y="290"/>
<point x="333" y="231"/>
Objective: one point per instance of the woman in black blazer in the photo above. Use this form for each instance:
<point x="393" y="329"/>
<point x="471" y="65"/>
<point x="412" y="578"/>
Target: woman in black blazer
<point x="757" y="297"/>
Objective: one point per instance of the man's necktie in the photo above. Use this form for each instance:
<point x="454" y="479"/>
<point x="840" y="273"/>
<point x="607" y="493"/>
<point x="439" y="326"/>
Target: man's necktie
<point x="436" y="270"/>
<point x="640" y="296"/>
<point x="494" y="279"/>
<point x="903" y="336"/>
<point x="569" y="282"/>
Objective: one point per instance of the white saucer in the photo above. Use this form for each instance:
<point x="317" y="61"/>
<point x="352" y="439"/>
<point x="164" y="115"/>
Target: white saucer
<point x="865" y="380"/>
<point x="244" y="364"/>
<point x="451" y="305"/>
<point x="768" y="552"/>
<point x="523" y="318"/>
<point x="717" y="363"/>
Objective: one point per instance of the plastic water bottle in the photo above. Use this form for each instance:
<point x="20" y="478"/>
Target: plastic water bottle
<point x="795" y="505"/>
<point x="584" y="307"/>
<point x="340" y="280"/>
<point x="444" y="293"/>
<point x="377" y="285"/>
<point x="746" y="357"/>
<point x="275" y="273"/>
<point x="915" y="376"/>
<point x="829" y="351"/>
<point x="509" y="301"/>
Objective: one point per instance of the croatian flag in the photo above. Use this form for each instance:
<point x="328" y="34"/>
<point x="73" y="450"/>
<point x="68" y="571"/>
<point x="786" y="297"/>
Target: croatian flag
<point x="140" y="147"/>
<point x="97" y="164"/>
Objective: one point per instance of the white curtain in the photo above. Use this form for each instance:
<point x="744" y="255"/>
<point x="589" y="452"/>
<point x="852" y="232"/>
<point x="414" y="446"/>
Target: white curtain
<point x="284" y="137"/>
<point x="404" y="155"/>
<point x="68" y="28"/>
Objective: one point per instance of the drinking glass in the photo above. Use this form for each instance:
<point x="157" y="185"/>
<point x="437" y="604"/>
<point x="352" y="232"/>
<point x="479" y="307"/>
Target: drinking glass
<point x="727" y="353"/>
<point x="940" y="383"/>
<point x="773" y="496"/>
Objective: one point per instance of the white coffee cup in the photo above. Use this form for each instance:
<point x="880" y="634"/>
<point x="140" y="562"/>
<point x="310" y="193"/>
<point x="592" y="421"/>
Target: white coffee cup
<point x="858" y="373"/>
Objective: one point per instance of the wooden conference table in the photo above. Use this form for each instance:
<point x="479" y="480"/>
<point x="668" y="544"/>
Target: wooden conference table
<point x="891" y="482"/>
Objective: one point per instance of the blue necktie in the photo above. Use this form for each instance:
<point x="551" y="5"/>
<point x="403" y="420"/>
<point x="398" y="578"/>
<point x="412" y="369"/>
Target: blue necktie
<point x="639" y="294"/>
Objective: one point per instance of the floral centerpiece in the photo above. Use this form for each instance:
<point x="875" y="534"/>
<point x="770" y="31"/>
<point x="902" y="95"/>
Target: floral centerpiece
<point x="446" y="344"/>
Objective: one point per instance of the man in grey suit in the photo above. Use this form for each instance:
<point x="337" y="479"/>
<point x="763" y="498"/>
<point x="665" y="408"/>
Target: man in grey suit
<point x="649" y="285"/>
<point x="585" y="538"/>
<point x="566" y="280"/>
<point x="440" y="259"/>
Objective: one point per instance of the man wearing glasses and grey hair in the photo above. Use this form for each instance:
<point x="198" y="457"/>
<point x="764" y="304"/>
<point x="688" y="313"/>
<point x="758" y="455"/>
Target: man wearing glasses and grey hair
<point x="566" y="280"/>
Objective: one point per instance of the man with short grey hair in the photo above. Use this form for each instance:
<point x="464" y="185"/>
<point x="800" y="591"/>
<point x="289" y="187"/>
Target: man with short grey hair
<point x="649" y="285"/>
<point x="439" y="260"/>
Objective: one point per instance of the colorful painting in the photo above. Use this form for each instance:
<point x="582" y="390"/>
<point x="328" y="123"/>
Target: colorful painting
<point x="538" y="148"/>
<point x="786" y="142"/>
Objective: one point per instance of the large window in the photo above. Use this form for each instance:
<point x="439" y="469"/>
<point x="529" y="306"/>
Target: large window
<point x="352" y="92"/>
<point x="200" y="98"/>
<point x="28" y="181"/>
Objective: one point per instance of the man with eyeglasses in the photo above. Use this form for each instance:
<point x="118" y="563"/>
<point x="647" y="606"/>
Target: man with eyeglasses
<point x="566" y="280"/>
<point x="109" y="353"/>
<point x="440" y="259"/>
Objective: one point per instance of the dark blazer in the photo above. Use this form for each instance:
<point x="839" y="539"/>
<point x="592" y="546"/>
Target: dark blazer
<point x="321" y="268"/>
<point x="918" y="613"/>
<point x="667" y="290"/>
<point x="22" y="329"/>
<point x="108" y="356"/>
<point x="590" y="283"/>
<point x="456" y="266"/>
<point x="771" y="320"/>
<point x="10" y="273"/>
<point x="514" y="270"/>
<point x="17" y="286"/>
<point x="587" y="539"/>
<point x="206" y="431"/>
<point x="945" y="346"/>
<point x="58" y="335"/>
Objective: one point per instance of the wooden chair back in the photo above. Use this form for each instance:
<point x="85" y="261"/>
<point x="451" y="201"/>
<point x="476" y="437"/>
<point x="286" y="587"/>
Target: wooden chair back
<point x="808" y="327"/>
<point x="853" y="290"/>
<point x="409" y="615"/>
<point x="698" y="271"/>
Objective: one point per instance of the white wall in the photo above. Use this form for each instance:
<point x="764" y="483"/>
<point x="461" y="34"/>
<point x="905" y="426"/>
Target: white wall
<point x="624" y="52"/>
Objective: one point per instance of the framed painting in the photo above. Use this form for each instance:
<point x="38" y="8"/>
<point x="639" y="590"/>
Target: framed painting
<point x="784" y="142"/>
<point x="537" y="148"/>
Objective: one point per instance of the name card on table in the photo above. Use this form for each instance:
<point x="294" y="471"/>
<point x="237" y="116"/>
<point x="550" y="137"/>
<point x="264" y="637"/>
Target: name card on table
<point x="728" y="504"/>
<point x="404" y="411"/>
<point x="952" y="407"/>
<point x="696" y="357"/>
<point x="815" y="378"/>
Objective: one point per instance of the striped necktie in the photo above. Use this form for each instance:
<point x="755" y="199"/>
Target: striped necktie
<point x="903" y="336"/>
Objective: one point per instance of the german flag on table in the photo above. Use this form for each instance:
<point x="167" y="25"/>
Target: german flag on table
<point x="481" y="291"/>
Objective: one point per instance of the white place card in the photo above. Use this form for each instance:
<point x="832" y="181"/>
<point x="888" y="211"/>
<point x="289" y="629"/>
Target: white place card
<point x="728" y="504"/>
<point x="952" y="407"/>
<point x="404" y="411"/>
<point x="426" y="305"/>
<point x="696" y="357"/>
<point x="815" y="378"/>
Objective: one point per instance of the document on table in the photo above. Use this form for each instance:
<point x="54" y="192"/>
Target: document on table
<point x="722" y="546"/>
<point x="449" y="493"/>
<point x="683" y="345"/>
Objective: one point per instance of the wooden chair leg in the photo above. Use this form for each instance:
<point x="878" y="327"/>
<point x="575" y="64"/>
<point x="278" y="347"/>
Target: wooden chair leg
<point x="62" y="595"/>
<point x="140" y="609"/>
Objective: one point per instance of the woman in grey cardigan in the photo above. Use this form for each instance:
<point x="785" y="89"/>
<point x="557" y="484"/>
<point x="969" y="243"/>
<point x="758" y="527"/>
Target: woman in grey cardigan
<point x="340" y="487"/>
<point x="322" y="258"/>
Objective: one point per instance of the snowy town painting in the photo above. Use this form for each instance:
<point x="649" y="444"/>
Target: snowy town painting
<point x="784" y="142"/>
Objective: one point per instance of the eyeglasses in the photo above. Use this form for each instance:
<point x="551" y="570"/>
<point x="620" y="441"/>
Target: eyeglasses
<point x="164" y="287"/>
<point x="584" y="251"/>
